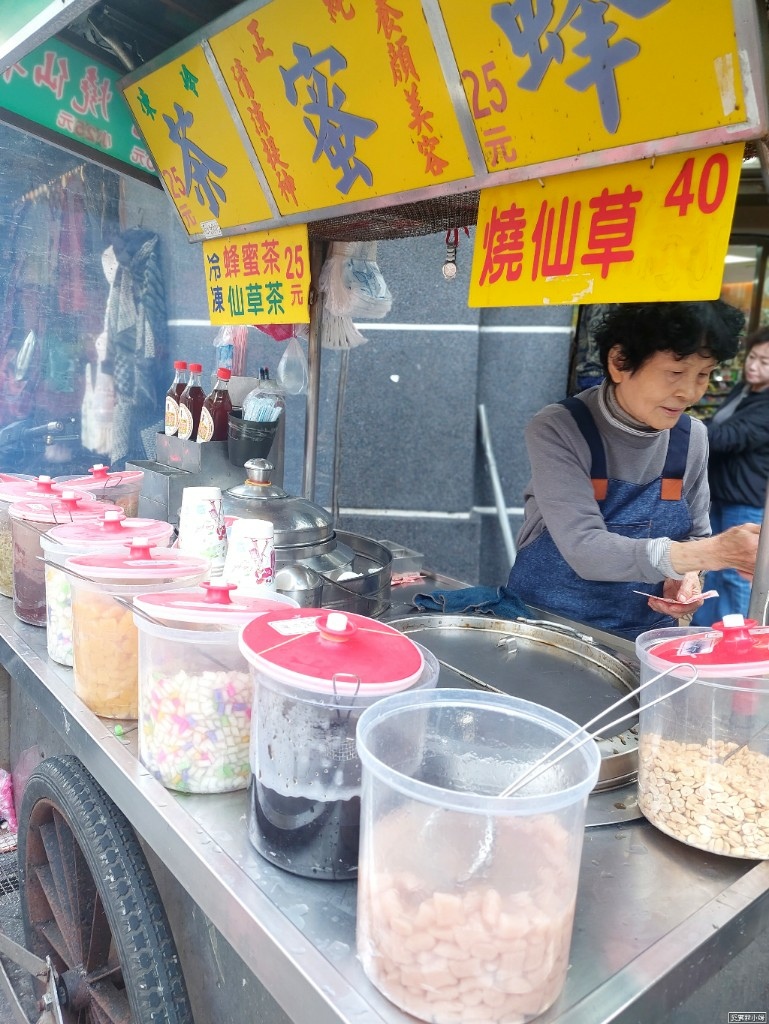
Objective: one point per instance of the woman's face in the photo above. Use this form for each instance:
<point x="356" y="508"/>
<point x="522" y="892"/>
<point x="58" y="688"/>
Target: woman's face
<point x="661" y="388"/>
<point x="757" y="367"/>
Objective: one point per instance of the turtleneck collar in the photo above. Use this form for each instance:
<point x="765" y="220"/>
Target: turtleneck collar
<point x="611" y="407"/>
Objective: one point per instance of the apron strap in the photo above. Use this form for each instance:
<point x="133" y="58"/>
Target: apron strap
<point x="599" y="476"/>
<point x="672" y="483"/>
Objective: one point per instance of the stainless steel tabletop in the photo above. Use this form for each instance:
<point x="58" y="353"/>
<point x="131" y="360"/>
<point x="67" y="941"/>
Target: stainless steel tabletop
<point x="654" y="917"/>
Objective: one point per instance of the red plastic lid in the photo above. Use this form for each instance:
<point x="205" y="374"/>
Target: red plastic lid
<point x="196" y="367"/>
<point x="223" y="374"/>
<point x="332" y="652"/>
<point x="27" y="490"/>
<point x="59" y="509"/>
<point x="113" y="528"/>
<point x="216" y="603"/>
<point x="140" y="561"/>
<point x="180" y="364"/>
<point x="102" y="479"/>
<point x="733" y="645"/>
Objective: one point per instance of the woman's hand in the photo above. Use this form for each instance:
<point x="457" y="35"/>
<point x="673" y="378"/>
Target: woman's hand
<point x="735" y="548"/>
<point x="680" y="593"/>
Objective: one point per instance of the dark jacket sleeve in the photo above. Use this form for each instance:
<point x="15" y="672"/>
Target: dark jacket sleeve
<point x="738" y="466"/>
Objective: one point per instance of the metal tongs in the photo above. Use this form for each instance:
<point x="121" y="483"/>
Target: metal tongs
<point x="576" y="739"/>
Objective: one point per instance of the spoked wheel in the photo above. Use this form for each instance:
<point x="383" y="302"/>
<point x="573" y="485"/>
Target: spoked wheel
<point x="89" y="901"/>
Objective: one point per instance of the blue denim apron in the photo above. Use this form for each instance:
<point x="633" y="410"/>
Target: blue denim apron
<point x="543" y="578"/>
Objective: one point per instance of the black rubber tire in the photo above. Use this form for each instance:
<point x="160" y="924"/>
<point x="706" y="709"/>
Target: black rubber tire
<point x="81" y="864"/>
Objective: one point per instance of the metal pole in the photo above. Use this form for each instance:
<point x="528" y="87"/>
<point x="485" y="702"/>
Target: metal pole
<point x="759" y="592"/>
<point x="317" y="256"/>
<point x="499" y="498"/>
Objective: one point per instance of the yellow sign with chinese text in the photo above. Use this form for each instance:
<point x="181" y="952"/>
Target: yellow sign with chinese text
<point x="636" y="232"/>
<point x="204" y="165"/>
<point x="343" y="100"/>
<point x="557" y="79"/>
<point x="259" y="278"/>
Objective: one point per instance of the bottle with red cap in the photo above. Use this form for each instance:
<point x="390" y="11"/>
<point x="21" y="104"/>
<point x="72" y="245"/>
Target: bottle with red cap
<point x="173" y="395"/>
<point x="215" y="414"/>
<point x="191" y="405"/>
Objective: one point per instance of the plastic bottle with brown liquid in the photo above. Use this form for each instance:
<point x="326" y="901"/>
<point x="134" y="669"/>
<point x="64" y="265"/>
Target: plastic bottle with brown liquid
<point x="173" y="395"/>
<point x="191" y="405"/>
<point x="215" y="415"/>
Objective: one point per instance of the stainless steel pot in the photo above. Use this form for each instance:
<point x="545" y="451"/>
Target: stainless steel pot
<point x="315" y="565"/>
<point x="303" y="531"/>
<point x="544" y="662"/>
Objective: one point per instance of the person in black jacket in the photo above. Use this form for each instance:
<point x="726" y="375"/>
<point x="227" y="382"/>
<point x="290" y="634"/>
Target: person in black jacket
<point x="738" y="471"/>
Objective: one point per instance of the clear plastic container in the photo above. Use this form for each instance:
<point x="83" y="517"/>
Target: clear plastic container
<point x="13" y="489"/>
<point x="314" y="675"/>
<point x="465" y="898"/>
<point x="112" y="531"/>
<point x="30" y="520"/>
<point x="105" y="643"/>
<point x="195" y="690"/>
<point x="117" y="488"/>
<point x="703" y="753"/>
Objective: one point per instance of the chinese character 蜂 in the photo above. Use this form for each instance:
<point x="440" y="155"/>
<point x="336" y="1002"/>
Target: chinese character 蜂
<point x="534" y="32"/>
<point x="231" y="260"/>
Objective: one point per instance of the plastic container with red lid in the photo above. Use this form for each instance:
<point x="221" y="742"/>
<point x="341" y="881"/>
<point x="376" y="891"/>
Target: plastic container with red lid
<point x="112" y="530"/>
<point x="703" y="772"/>
<point x="314" y="675"/>
<point x="14" y="489"/>
<point x="120" y="487"/>
<point x="30" y="520"/>
<point x="195" y="690"/>
<point x="105" y="644"/>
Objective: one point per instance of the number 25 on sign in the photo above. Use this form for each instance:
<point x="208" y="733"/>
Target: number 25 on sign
<point x="636" y="232"/>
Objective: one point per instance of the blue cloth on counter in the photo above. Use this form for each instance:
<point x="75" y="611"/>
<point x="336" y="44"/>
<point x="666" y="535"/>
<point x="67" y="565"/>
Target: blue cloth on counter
<point x="497" y="601"/>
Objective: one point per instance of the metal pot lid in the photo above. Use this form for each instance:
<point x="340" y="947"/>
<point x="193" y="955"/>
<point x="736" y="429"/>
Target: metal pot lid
<point x="295" y="520"/>
<point x="548" y="664"/>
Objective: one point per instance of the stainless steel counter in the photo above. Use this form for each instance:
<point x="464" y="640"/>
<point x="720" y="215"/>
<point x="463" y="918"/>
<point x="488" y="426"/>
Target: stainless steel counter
<point x="654" y="918"/>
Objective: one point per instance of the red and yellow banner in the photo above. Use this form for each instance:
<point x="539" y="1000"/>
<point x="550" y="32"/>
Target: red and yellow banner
<point x="259" y="278"/>
<point x="638" y="232"/>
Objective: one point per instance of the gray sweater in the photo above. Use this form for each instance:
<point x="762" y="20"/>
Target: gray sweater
<point x="559" y="496"/>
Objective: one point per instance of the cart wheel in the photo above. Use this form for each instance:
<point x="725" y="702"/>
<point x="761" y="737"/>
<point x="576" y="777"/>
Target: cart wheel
<point x="89" y="901"/>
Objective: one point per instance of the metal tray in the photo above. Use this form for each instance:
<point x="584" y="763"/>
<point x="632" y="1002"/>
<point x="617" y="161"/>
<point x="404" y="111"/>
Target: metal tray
<point x="547" y="663"/>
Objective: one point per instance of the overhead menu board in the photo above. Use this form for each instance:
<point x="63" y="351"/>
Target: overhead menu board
<point x="285" y="111"/>
<point x="638" y="232"/>
<point x="76" y="98"/>
<point x="554" y="80"/>
<point x="342" y="102"/>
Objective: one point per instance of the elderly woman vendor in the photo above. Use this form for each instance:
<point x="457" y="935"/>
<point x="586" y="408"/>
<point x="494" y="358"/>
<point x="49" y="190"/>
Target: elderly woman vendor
<point x="618" y="498"/>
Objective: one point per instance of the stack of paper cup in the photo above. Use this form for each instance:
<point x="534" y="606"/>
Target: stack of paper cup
<point x="250" y="562"/>
<point x="201" y="525"/>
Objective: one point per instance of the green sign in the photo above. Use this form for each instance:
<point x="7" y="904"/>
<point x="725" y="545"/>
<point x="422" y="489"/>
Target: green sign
<point x="66" y="92"/>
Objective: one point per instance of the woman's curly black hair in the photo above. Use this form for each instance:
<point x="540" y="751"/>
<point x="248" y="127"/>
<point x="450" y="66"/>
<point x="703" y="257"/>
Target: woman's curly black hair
<point x="683" y="328"/>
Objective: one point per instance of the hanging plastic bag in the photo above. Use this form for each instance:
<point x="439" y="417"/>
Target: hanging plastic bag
<point x="292" y="373"/>
<point x="230" y="345"/>
<point x="352" y="282"/>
